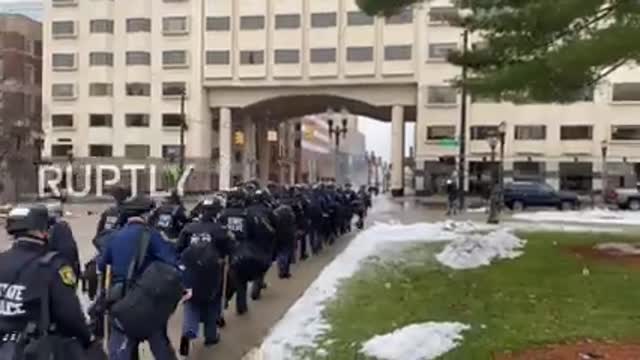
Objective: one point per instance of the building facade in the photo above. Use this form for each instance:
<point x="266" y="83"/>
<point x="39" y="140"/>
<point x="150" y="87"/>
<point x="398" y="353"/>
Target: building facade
<point x="114" y="75"/>
<point x="20" y="104"/>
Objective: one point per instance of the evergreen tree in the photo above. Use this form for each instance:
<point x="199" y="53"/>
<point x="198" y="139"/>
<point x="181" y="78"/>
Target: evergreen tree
<point x="541" y="50"/>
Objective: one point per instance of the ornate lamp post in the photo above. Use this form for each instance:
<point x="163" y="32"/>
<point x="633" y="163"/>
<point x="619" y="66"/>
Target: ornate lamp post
<point x="604" y="147"/>
<point x="502" y="131"/>
<point x="335" y="132"/>
<point x="493" y="208"/>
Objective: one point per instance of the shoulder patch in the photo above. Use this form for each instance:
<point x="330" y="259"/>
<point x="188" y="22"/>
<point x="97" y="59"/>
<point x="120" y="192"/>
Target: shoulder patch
<point x="67" y="275"/>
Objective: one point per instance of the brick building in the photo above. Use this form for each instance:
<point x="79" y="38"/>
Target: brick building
<point x="20" y="104"/>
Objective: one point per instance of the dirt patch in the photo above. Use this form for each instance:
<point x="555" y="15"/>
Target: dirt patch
<point x="579" y="351"/>
<point x="607" y="254"/>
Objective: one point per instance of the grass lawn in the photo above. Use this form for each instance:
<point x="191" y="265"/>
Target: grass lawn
<point x="540" y="298"/>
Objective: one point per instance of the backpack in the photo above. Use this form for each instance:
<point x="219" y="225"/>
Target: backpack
<point x="159" y="284"/>
<point x="202" y="262"/>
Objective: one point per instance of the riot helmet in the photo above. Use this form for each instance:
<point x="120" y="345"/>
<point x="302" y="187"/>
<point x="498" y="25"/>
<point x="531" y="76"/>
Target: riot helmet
<point x="28" y="219"/>
<point x="138" y="206"/>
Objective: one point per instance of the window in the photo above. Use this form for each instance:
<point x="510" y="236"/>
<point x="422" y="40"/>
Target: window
<point x="252" y="22"/>
<point x="576" y="132"/>
<point x="442" y="15"/>
<point x="531" y="132"/>
<point x="37" y="47"/>
<point x="405" y="17"/>
<point x="174" y="25"/>
<point x="322" y="55"/>
<point x="59" y="150"/>
<point x="287" y="56"/>
<point x="483" y="132"/>
<point x="101" y="26"/>
<point x="138" y="25"/>
<point x="62" y="61"/>
<point x="323" y="20"/>
<point x="63" y="29"/>
<point x="359" y="53"/>
<point x="138" y="58"/>
<point x="100" y="120"/>
<point x="60" y="3"/>
<point x="252" y="57"/>
<point x="61" y="120"/>
<point x="358" y="18"/>
<point x="138" y="89"/>
<point x="173" y="58"/>
<point x="100" y="150"/>
<point x="218" y="57"/>
<point x="62" y="90"/>
<point x="441" y="132"/>
<point x="287" y="21"/>
<point x="441" y="95"/>
<point x="137" y="151"/>
<point x="101" y="59"/>
<point x="100" y="89"/>
<point x="397" y="52"/>
<point x="441" y="50"/>
<point x="625" y="132"/>
<point x="170" y="151"/>
<point x="136" y="120"/>
<point x="626" y="92"/>
<point x="174" y="88"/>
<point x="171" y="120"/>
<point x="218" y="23"/>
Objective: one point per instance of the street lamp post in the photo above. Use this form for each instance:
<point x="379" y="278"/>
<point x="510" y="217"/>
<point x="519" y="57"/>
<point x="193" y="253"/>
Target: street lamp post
<point x="502" y="131"/>
<point x="493" y="207"/>
<point x="464" y="14"/>
<point x="335" y="132"/>
<point x="604" y="147"/>
<point x="183" y="126"/>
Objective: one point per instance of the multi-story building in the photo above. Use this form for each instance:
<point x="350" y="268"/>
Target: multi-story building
<point x="20" y="103"/>
<point x="114" y="75"/>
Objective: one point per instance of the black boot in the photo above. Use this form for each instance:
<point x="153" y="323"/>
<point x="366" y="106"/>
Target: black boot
<point x="221" y="322"/>
<point x="184" y="346"/>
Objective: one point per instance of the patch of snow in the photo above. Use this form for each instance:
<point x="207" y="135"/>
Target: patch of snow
<point x="474" y="250"/>
<point x="622" y="248"/>
<point x="590" y="216"/>
<point x="304" y="321"/>
<point x="415" y="342"/>
<point x="528" y="226"/>
<point x="478" y="210"/>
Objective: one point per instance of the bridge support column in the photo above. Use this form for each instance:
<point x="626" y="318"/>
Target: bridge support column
<point x="397" y="151"/>
<point x="264" y="153"/>
<point x="225" y="148"/>
<point x="249" y="149"/>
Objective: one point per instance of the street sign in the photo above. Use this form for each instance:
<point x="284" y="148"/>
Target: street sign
<point x="448" y="143"/>
<point x="272" y="136"/>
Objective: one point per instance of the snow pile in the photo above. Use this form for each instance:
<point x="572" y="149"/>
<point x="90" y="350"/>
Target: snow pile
<point x="304" y="322"/>
<point x="473" y="251"/>
<point x="415" y="342"/>
<point x="591" y="216"/>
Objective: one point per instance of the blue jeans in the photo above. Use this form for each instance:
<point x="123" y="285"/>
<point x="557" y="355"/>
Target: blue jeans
<point x="123" y="348"/>
<point x="206" y="313"/>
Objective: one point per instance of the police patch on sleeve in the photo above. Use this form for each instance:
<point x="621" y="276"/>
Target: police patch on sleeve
<point x="67" y="275"/>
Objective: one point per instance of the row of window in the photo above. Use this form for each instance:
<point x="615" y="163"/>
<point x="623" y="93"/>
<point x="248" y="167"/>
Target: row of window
<point x="169" y="120"/>
<point x="179" y="25"/>
<point x="170" y="58"/>
<point x="169" y="89"/>
<point x="536" y="132"/>
<point x="131" y="151"/>
<point x="621" y="92"/>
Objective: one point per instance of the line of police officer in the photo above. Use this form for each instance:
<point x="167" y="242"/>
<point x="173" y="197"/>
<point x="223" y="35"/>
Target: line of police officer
<point x="226" y="242"/>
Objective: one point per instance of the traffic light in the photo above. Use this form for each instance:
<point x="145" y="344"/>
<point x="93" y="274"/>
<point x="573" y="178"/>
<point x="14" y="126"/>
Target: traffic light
<point x="238" y="138"/>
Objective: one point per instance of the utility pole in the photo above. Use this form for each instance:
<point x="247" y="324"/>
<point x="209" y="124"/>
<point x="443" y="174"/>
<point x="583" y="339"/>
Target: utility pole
<point x="336" y="132"/>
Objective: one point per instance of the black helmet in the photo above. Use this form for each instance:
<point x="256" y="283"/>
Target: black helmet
<point x="236" y="198"/>
<point x="24" y="219"/>
<point x="260" y="197"/>
<point x="211" y="206"/>
<point x="120" y="193"/>
<point x="137" y="206"/>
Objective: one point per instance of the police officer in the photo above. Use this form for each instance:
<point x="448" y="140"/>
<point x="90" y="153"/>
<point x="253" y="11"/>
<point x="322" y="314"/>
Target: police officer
<point x="170" y="217"/>
<point x="61" y="240"/>
<point x="110" y="218"/>
<point x="119" y="252"/>
<point x="285" y="232"/>
<point x="29" y="274"/>
<point x="262" y="235"/>
<point x="203" y="246"/>
<point x="235" y="218"/>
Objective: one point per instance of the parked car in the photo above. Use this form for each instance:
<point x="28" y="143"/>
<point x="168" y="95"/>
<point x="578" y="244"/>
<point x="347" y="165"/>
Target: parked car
<point x="625" y="199"/>
<point x="521" y="195"/>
